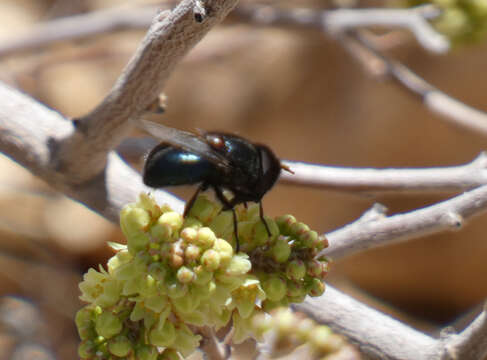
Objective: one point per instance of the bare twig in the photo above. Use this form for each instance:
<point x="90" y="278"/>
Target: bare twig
<point x="437" y="101"/>
<point x="452" y="178"/>
<point x="27" y="130"/>
<point x="446" y="215"/>
<point x="79" y="26"/>
<point x="376" y="334"/>
<point x="337" y="21"/>
<point x="82" y="155"/>
<point x="470" y="344"/>
<point x="390" y="339"/>
<point x="329" y="21"/>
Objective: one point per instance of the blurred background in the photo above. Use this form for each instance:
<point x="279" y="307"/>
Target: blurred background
<point x="297" y="91"/>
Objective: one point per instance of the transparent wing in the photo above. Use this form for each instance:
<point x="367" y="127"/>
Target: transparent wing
<point x="184" y="140"/>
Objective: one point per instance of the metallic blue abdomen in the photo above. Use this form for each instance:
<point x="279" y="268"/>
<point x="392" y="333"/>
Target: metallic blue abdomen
<point x="166" y="166"/>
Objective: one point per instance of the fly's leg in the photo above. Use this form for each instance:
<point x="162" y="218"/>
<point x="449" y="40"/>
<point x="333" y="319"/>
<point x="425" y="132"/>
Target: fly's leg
<point x="261" y="213"/>
<point x="191" y="201"/>
<point x="227" y="205"/>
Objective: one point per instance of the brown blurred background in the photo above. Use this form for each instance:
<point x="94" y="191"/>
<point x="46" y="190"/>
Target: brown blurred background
<point x="298" y="92"/>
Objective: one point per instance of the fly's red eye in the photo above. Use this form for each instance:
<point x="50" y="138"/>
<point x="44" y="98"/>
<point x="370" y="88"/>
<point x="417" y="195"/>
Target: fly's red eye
<point x="215" y="141"/>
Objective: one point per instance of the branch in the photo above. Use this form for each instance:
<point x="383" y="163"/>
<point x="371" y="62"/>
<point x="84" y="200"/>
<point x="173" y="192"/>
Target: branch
<point x="82" y="155"/>
<point x="379" y="230"/>
<point x="27" y="132"/>
<point x="376" y="334"/>
<point x="452" y="178"/>
<point x="332" y="22"/>
<point x="471" y="343"/>
<point x="79" y="26"/>
<point x="435" y="100"/>
<point x="337" y="21"/>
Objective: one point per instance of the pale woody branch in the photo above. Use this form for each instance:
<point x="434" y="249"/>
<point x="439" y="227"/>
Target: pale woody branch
<point x="329" y="21"/>
<point x="372" y="180"/>
<point x="382" y="337"/>
<point x="82" y="155"/>
<point x="380" y="230"/>
<point x="27" y="132"/>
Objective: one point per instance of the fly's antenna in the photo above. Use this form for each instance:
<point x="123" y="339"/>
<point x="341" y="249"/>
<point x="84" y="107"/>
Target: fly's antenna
<point x="286" y="168"/>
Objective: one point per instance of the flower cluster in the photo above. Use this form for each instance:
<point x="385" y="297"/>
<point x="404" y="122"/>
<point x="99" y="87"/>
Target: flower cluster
<point x="460" y="20"/>
<point x="177" y="274"/>
<point x="286" y="330"/>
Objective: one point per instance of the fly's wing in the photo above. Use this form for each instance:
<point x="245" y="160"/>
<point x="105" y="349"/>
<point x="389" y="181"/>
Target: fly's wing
<point x="184" y="140"/>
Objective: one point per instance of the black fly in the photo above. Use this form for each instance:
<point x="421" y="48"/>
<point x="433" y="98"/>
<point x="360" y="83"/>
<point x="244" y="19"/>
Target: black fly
<point x="213" y="159"/>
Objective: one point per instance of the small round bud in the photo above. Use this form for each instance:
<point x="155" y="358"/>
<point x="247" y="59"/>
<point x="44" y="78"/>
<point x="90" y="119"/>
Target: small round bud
<point x="176" y="261"/>
<point x="161" y="230"/>
<point x="205" y="237"/>
<point x="323" y="242"/>
<point x="108" y="325"/>
<point x="210" y="260"/>
<point x="185" y="275"/>
<point x="281" y="250"/>
<point x="274" y="287"/>
<point x="192" y="253"/>
<point x="295" y="289"/>
<point x="309" y="239"/>
<point x="298" y="229"/>
<point x="295" y="270"/>
<point x="284" y="223"/>
<point x="224" y="249"/>
<point x="188" y="234"/>
<point x="317" y="288"/>
<point x="173" y="219"/>
<point x="314" y="268"/>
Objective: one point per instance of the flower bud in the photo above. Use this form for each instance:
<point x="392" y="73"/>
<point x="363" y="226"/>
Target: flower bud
<point x="224" y="249"/>
<point x="295" y="270"/>
<point x="298" y="229"/>
<point x="185" y="275"/>
<point x="205" y="238"/>
<point x="188" y="234"/>
<point x="295" y="289"/>
<point x="192" y="253"/>
<point x="284" y="223"/>
<point x="274" y="287"/>
<point x="281" y="250"/>
<point x="211" y="260"/>
<point x="317" y="288"/>
<point x="309" y="239"/>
